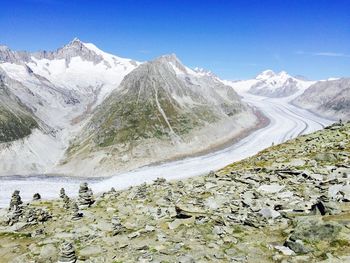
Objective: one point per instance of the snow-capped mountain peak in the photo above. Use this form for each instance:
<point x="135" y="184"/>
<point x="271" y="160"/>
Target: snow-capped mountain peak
<point x="269" y="74"/>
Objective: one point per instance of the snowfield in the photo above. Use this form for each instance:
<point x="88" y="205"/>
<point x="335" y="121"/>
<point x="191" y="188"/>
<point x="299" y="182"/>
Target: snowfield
<point x="286" y="122"/>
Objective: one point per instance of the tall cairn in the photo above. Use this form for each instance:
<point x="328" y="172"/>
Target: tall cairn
<point x="85" y="196"/>
<point x="16" y="200"/>
<point x="67" y="253"/>
<point x="65" y="199"/>
<point x="62" y="193"/>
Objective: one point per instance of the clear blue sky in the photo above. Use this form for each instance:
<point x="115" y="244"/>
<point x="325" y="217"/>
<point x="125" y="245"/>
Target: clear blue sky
<point x="234" y="39"/>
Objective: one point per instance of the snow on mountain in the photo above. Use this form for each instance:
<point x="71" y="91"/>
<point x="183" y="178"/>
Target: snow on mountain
<point x="162" y="110"/>
<point x="271" y="84"/>
<point x="60" y="88"/>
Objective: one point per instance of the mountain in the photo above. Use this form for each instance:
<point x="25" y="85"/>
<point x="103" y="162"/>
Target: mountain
<point x="271" y="84"/>
<point x="161" y="110"/>
<point x="90" y="113"/>
<point x="59" y="89"/>
<point x="329" y="98"/>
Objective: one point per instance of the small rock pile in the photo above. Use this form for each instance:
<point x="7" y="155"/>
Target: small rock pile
<point x="85" y="196"/>
<point x="141" y="192"/>
<point x="65" y="199"/>
<point x="67" y="253"/>
<point x="37" y="215"/>
<point x="117" y="225"/>
<point x="36" y="197"/>
<point x="76" y="215"/>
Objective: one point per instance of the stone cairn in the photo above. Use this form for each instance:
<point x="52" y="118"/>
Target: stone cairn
<point x="67" y="253"/>
<point x="16" y="209"/>
<point x="16" y="200"/>
<point x="85" y="196"/>
<point x="65" y="199"/>
<point x="117" y="225"/>
<point x="36" y="215"/>
<point x="76" y="215"/>
<point x="141" y="191"/>
<point x="62" y="193"/>
<point x="36" y="197"/>
<point x="160" y="181"/>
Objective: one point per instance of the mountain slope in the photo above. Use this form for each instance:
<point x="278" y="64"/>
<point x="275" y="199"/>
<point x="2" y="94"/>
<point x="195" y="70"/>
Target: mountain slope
<point x="328" y="98"/>
<point x="60" y="89"/>
<point x="16" y="120"/>
<point x="162" y="110"/>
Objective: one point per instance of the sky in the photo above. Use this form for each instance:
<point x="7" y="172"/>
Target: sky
<point x="234" y="39"/>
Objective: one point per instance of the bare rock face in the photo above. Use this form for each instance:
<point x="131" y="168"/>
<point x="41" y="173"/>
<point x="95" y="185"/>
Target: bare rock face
<point x="67" y="253"/>
<point x="327" y="98"/>
<point x="85" y="196"/>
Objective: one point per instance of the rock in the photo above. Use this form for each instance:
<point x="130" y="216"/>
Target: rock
<point x="269" y="213"/>
<point x="36" y="197"/>
<point x="285" y="250"/>
<point x="297" y="246"/>
<point x="85" y="198"/>
<point x="90" y="251"/>
<point x="67" y="253"/>
<point x="325" y="157"/>
<point x="270" y="188"/>
<point x="48" y="252"/>
<point x="185" y="259"/>
<point x="315" y="230"/>
<point x="181" y="214"/>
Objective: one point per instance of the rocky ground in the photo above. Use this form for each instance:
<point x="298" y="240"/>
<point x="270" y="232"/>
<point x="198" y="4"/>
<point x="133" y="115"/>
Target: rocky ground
<point x="289" y="203"/>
